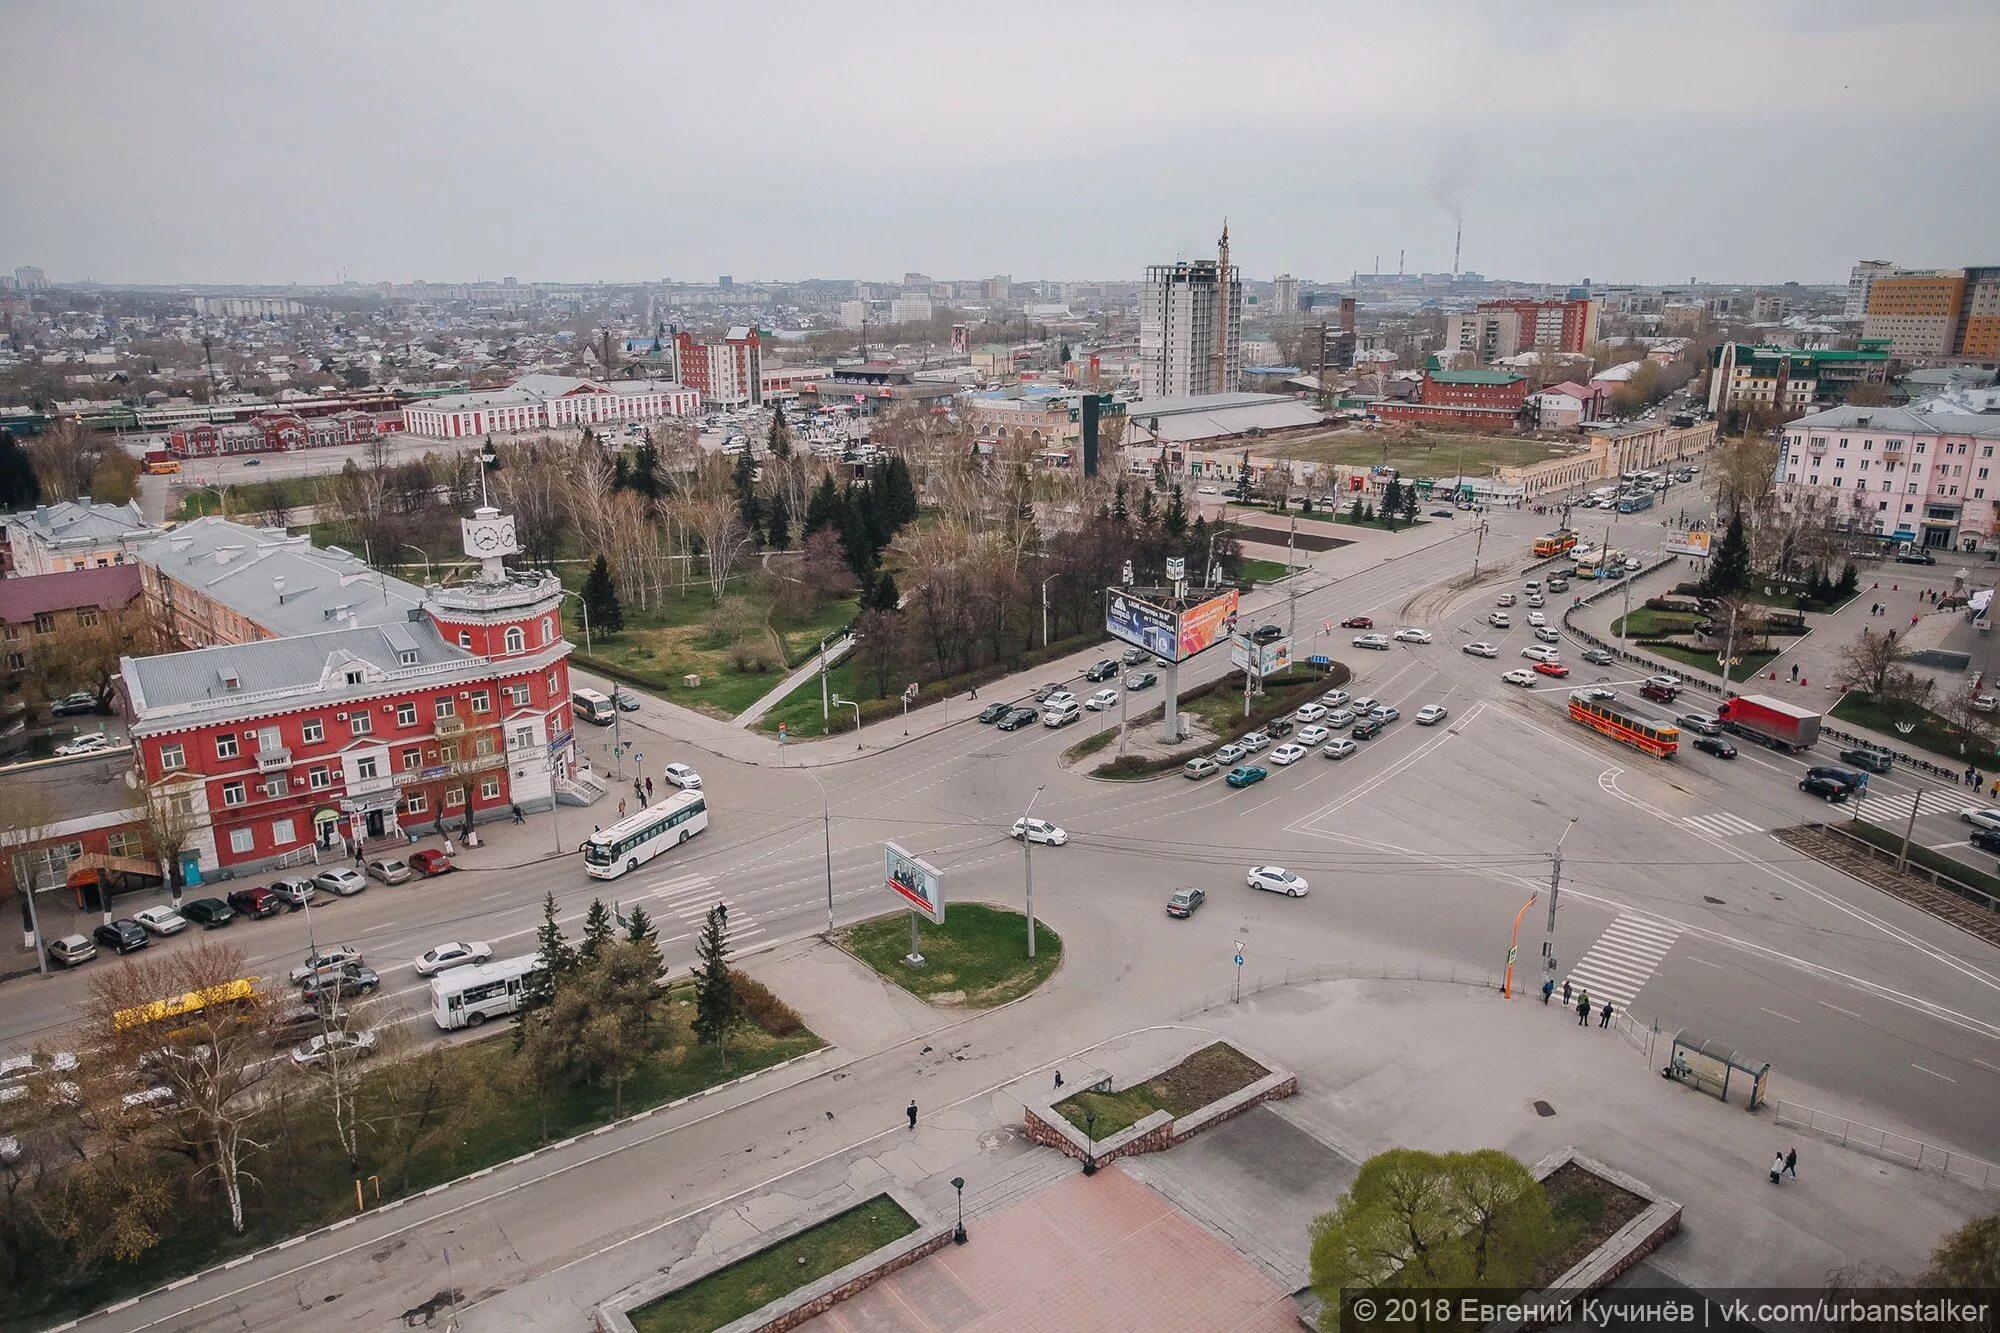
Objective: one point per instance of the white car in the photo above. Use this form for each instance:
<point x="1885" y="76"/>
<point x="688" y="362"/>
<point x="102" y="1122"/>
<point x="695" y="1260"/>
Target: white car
<point x="1665" y="681"/>
<point x="1536" y="599"/>
<point x="1365" y="705"/>
<point x="1287" y="754"/>
<point x="1254" y="741"/>
<point x="1533" y="585"/>
<point x="1334" y="698"/>
<point x="1985" y="703"/>
<point x="1057" y="700"/>
<point x="1313" y="735"/>
<point x="1430" y="715"/>
<point x="1987" y="818"/>
<point x="1040" y="830"/>
<point x="161" y="920"/>
<point x="1499" y="620"/>
<point x="1411" y="635"/>
<point x="1634" y="564"/>
<point x="1278" y="880"/>
<point x="1541" y="652"/>
<point x="1504" y="599"/>
<point x="1339" y="719"/>
<point x="1206" y="490"/>
<point x="91" y="744"/>
<point x="683" y="777"/>
<point x="340" y="880"/>
<point x="1311" y="712"/>
<point x="1101" y="701"/>
<point x="1547" y="635"/>
<point x="1519" y="677"/>
<point x="316" y="1051"/>
<point x="1229" y="754"/>
<point x="1385" y="712"/>
<point x="1340" y="748"/>
<point x="455" y="954"/>
<point x="1377" y="641"/>
<point x="1537" y="619"/>
<point x="1482" y="649"/>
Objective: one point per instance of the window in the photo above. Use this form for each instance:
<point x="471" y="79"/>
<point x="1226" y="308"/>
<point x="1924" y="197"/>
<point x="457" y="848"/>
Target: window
<point x="44" y="622"/>
<point x="416" y="803"/>
<point x="412" y="759"/>
<point x="125" y="843"/>
<point x="180" y="803"/>
<point x="444" y="706"/>
<point x="406" y="715"/>
<point x="524" y="737"/>
<point x="365" y="767"/>
<point x="554" y="693"/>
<point x="481" y="701"/>
<point x="489" y="789"/>
<point x="274" y="787"/>
<point x="312" y="731"/>
<point x="318" y="779"/>
<point x="482" y="744"/>
<point x="87" y="616"/>
<point x="233" y="793"/>
<point x="549" y="622"/>
<point x="454" y="797"/>
<point x="448" y="752"/>
<point x="353" y="675"/>
<point x="516" y="640"/>
<point x="171" y="758"/>
<point x="464" y="639"/>
<point x="11" y="633"/>
<point x="520" y="696"/>
<point x="408" y="657"/>
<point x="282" y="832"/>
<point x="17" y="661"/>
<point x="359" y="723"/>
<point x="242" y="840"/>
<point x="225" y="745"/>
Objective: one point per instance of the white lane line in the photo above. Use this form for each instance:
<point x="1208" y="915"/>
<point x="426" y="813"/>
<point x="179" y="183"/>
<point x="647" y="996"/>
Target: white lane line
<point x="1775" y="1014"/>
<point x="1983" y="1065"/>
<point x="1838" y="1010"/>
<point x="1705" y="963"/>
<point x="1933" y="1073"/>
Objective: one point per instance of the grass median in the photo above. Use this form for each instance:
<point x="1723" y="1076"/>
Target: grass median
<point x="976" y="959"/>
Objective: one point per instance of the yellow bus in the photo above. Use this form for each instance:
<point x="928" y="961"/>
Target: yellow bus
<point x="229" y="994"/>
<point x="160" y="463"/>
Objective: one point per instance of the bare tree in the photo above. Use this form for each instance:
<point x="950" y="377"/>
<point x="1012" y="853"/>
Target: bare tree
<point x="64" y="458"/>
<point x="31" y="818"/>
<point x="712" y="518"/>
<point x="170" y="815"/>
<point x="1869" y="663"/>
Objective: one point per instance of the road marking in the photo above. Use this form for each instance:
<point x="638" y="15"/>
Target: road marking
<point x="1624" y="958"/>
<point x="1934" y="1073"/>
<point x="1983" y="1065"/>
<point x="1720" y="824"/>
<point x="1705" y="963"/>
<point x="1775" y="1014"/>
<point x="1838" y="1010"/>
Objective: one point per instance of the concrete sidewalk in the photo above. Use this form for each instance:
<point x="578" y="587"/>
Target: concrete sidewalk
<point x="750" y="716"/>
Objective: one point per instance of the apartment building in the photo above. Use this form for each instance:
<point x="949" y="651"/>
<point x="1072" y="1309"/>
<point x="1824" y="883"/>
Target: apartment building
<point x="1927" y="478"/>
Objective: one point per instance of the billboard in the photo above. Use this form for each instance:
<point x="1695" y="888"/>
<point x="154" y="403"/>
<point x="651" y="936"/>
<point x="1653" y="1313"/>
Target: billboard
<point x="1271" y="657"/>
<point x="1141" y="624"/>
<point x="1687" y="543"/>
<point x="1210" y="623"/>
<point x="914" y="880"/>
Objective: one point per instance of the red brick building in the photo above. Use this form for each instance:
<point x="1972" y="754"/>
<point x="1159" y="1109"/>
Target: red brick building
<point x="1484" y="399"/>
<point x="726" y="374"/>
<point x="278" y="432"/>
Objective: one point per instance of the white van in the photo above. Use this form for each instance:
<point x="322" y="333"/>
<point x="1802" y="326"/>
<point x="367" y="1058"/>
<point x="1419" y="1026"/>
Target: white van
<point x="1062" y="714"/>
<point x="593" y="706"/>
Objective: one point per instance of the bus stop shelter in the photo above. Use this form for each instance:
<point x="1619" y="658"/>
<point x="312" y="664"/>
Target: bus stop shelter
<point x="1710" y="1066"/>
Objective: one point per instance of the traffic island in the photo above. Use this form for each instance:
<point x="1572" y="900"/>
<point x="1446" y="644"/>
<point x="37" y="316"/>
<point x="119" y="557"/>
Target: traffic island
<point x="1098" y="1122"/>
<point x="1216" y="712"/>
<point x="976" y="959"/>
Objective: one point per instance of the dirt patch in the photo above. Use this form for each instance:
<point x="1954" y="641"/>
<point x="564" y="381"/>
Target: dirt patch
<point x="1589" y="1210"/>
<point x="1209" y="1075"/>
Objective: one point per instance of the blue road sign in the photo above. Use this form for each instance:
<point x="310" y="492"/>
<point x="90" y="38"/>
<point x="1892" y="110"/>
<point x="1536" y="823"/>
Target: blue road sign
<point x="1239" y="960"/>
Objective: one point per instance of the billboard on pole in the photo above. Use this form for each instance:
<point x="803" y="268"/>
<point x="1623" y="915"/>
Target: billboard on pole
<point x="1271" y="657"/>
<point x="1209" y="623"/>
<point x="1687" y="543"/>
<point x="1141" y="624"/>
<point x="914" y="880"/>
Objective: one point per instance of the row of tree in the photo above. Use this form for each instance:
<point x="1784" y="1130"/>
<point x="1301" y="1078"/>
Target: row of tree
<point x="63" y="463"/>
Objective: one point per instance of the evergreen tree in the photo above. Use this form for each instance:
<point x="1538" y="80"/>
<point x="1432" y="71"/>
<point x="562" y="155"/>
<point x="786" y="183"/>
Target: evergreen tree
<point x="1392" y="500"/>
<point x="899" y="494"/>
<point x="715" y="1000"/>
<point x="1243" y="477"/>
<point x="596" y="931"/>
<point x="645" y="478"/>
<point x="744" y="478"/>
<point x="1173" y="523"/>
<point x="1062" y="355"/>
<point x="780" y="526"/>
<point x="857" y="532"/>
<point x="1197" y="549"/>
<point x="1409" y="505"/>
<point x="779" y="440"/>
<point x="1148" y="507"/>
<point x="640" y="930"/>
<point x="1850" y="581"/>
<point x="1367" y="512"/>
<point x="557" y="963"/>
<point x="882" y="593"/>
<point x="1729" y="564"/>
<point x="621" y="473"/>
<point x="1118" y="510"/>
<point x="825" y="509"/>
<point x="600" y="599"/>
<point x="19" y="487"/>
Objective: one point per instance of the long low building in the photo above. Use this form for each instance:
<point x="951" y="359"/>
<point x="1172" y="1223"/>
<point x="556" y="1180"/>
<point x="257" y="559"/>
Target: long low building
<point x="549" y="402"/>
<point x="1214" y="416"/>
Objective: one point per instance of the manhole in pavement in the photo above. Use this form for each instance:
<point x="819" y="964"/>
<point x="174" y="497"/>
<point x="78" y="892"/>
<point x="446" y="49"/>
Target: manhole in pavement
<point x="1544" y="1110"/>
<point x="1717" y="901"/>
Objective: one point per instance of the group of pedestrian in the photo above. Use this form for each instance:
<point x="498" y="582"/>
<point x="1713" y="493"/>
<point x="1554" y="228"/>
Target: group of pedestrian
<point x="1785" y="1163"/>
<point x="1972" y="777"/>
<point x="1583" y="1005"/>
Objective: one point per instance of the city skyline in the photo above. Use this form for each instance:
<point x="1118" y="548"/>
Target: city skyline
<point x="1599" y="144"/>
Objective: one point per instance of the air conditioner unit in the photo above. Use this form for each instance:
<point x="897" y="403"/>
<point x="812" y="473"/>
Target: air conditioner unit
<point x="340" y="717"/>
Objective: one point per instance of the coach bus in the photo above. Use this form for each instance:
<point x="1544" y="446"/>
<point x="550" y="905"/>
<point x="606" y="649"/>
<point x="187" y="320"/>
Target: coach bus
<point x="467" y="996"/>
<point x="173" y="1017"/>
<point x="1622" y="722"/>
<point x="639" y="838"/>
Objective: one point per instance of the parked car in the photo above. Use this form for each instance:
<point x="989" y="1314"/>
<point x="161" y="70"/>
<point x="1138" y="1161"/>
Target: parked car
<point x="1277" y="879"/>
<point x="295" y="893"/>
<point x="1597" y="656"/>
<point x="1410" y="634"/>
<point x="994" y="712"/>
<point x="1556" y="669"/>
<point x="1378" y="642"/>
<point x="1339" y="748"/>
<point x="1243" y="775"/>
<point x="1185" y="902"/>
<point x="1043" y="694"/>
<point x="1863" y="756"/>
<point x="1102" y="701"/>
<point x="256" y="902"/>
<point x="340" y="880"/>
<point x="1254" y="741"/>
<point x="1313" y="735"/>
<point x="121" y="936"/>
<point x="458" y="953"/>
<point x="1537" y="652"/>
<point x="1058" y="700"/>
<point x="1017" y="718"/>
<point x="1499" y="620"/>
<point x="317" y="1050"/>
<point x="1279" y="726"/>
<point x="1504" y="599"/>
<point x="297" y="1025"/>
<point x="333" y="955"/>
<point x="71" y="951"/>
<point x="208" y="913"/>
<point x="430" y="863"/>
<point x="1442" y="513"/>
<point x="1702" y="724"/>
<point x="1133" y="656"/>
<point x="1140" y="680"/>
<point x="1826" y="788"/>
<point x="1200" y="766"/>
<point x="1039" y="830"/>
<point x="1230" y="753"/>
<point x="73" y="705"/>
<point x="1334" y="698"/>
<point x="684" y="777"/>
<point x="627" y="703"/>
<point x="1481" y="648"/>
<point x="1368" y="728"/>
<point x="1518" y="676"/>
<point x="95" y="743"/>
<point x="1101" y="670"/>
<point x="334" y="982"/>
<point x="1430" y="715"/>
<point x="160" y="920"/>
<point x="1340" y="719"/>
<point x="1311" y="712"/>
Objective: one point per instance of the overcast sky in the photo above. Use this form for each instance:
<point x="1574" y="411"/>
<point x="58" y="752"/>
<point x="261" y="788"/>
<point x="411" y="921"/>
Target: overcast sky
<point x="214" y="141"/>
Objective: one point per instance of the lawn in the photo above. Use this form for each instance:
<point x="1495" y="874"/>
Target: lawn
<point x="1262" y="571"/>
<point x="1207" y="1076"/>
<point x="1220" y="704"/>
<point x="1649" y="622"/>
<point x="978" y="958"/>
<point x="1700" y="659"/>
<point x="1588" y="1210"/>
<point x="688" y="634"/>
<point x="1931" y="733"/>
<point x="751" y="1283"/>
<point x="1891" y="840"/>
<point x="1418" y="452"/>
<point x="250" y="498"/>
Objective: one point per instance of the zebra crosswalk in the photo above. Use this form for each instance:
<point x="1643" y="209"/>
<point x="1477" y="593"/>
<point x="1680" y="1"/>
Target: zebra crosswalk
<point x="1888" y="808"/>
<point x="1624" y="958"/>
<point x="680" y="904"/>
<point x="1720" y="824"/>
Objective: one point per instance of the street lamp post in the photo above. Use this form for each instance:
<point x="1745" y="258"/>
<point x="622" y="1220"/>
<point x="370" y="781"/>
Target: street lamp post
<point x="826" y="836"/>
<point x="1045" y="606"/>
<point x="825" y="710"/>
<point x="1028" y="867"/>
<point x="586" y="613"/>
<point x="427" y="560"/>
<point x="958" y="1232"/>
<point x="1090" y="1134"/>
<point x="839" y="702"/>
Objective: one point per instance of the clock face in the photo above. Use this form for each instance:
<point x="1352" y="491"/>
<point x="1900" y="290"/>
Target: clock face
<point x="485" y="539"/>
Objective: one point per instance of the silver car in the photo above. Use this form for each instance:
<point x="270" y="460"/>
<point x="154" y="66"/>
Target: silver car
<point x="340" y="880"/>
<point x="390" y="869"/>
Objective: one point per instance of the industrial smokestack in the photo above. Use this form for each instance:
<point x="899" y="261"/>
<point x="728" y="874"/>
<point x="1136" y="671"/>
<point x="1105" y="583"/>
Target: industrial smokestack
<point x="1090" y="409"/>
<point x="1456" y="241"/>
<point x="1399" y="262"/>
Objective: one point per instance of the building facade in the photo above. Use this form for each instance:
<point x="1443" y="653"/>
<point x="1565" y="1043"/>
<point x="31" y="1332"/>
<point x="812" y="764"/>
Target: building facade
<point x="1191" y="327"/>
<point x="34" y="608"/>
<point x="1284" y="295"/>
<point x="291" y="749"/>
<point x="1859" y="280"/>
<point x="1791" y="379"/>
<point x="1924" y="478"/>
<point x="1917" y="313"/>
<point x="1484" y="399"/>
<point x="74" y="534"/>
<point x="725" y="374"/>
<point x="548" y="402"/>
<point x="280" y="432"/>
<point x="1497" y="329"/>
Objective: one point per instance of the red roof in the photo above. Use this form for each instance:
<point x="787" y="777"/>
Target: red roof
<point x="21" y="600"/>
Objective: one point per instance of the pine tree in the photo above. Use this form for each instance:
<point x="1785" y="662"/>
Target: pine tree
<point x="780" y="527"/>
<point x="600" y="599"/>
<point x="1409" y="504"/>
<point x="715" y="1001"/>
<point x="1850" y="581"/>
<point x="1729" y="566"/>
<point x="1148" y="507"/>
<point x="899" y="494"/>
<point x="639" y="929"/>
<point x="621" y="473"/>
<point x="882" y="593"/>
<point x="825" y="509"/>
<point x="645" y="478"/>
<point x="1392" y="500"/>
<point x="857" y="540"/>
<point x="1118" y="511"/>
<point x="19" y="487"/>
<point x="1174" y="522"/>
<point x="779" y="440"/>
<point x="596" y="930"/>
<point x="557" y="963"/>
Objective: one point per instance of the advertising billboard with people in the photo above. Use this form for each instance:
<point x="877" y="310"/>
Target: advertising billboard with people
<point x="1208" y="624"/>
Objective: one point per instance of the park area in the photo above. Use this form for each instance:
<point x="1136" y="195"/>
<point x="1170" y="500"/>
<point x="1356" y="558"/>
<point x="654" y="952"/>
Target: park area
<point x="976" y="959"/>
<point x="1419" y="453"/>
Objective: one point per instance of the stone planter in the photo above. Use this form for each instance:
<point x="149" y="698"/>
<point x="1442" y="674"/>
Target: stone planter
<point x="1156" y="1132"/>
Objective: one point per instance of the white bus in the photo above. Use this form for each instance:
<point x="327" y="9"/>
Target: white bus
<point x="641" y="837"/>
<point x="593" y="706"/>
<point x="468" y="996"/>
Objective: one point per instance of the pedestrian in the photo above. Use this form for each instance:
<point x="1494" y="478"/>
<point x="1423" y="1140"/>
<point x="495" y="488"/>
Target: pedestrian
<point x="621" y="807"/>
<point x="1792" y="1163"/>
<point x="1565" y="992"/>
<point x="1548" y="989"/>
<point x="974" y="693"/>
<point x="1777" y="1165"/>
<point x="722" y="911"/>
<point x="1583" y="1013"/>
<point x="912" y="1113"/>
<point x="449" y="850"/>
<point x="519" y="818"/>
<point x="649" y="791"/>
<point x="638" y="792"/>
<point x="1059" y="1080"/>
<point x="1795" y="671"/>
<point x="1604" y="1016"/>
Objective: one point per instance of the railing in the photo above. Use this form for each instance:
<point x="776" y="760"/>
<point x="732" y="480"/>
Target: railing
<point x="270" y="761"/>
<point x="1299" y="976"/>
<point x="1885" y="1143"/>
<point x="1936" y="878"/>
<point x="450" y="726"/>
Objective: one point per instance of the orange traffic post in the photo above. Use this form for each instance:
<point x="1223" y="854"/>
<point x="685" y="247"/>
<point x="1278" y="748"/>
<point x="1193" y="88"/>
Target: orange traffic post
<point x="1514" y="949"/>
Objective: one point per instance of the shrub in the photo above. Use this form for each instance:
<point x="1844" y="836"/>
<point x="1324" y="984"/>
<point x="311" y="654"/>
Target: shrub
<point x="761" y="1005"/>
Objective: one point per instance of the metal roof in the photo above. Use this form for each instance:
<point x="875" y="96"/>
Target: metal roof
<point x="174" y="681"/>
<point x="281" y="582"/>
<point x="83" y="520"/>
<point x="1475" y="376"/>
<point x="1900" y="421"/>
<point x="22" y="599"/>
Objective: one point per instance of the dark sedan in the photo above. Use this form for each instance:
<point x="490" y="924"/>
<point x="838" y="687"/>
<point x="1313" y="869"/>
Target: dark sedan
<point x="994" y="712"/>
<point x="208" y="913"/>
<point x="1825" y="788"/>
<point x="256" y="903"/>
<point x="332" y="982"/>
<point x="1368" y="728"/>
<point x="1716" y="746"/>
<point x="1269" y="633"/>
<point x="1185" y="901"/>
<point x="1985" y="839"/>
<point x="120" y="936"/>
<point x="1017" y="718"/>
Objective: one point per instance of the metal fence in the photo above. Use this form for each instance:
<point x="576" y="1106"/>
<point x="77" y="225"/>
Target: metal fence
<point x="1896" y="1147"/>
<point x="1301" y="976"/>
